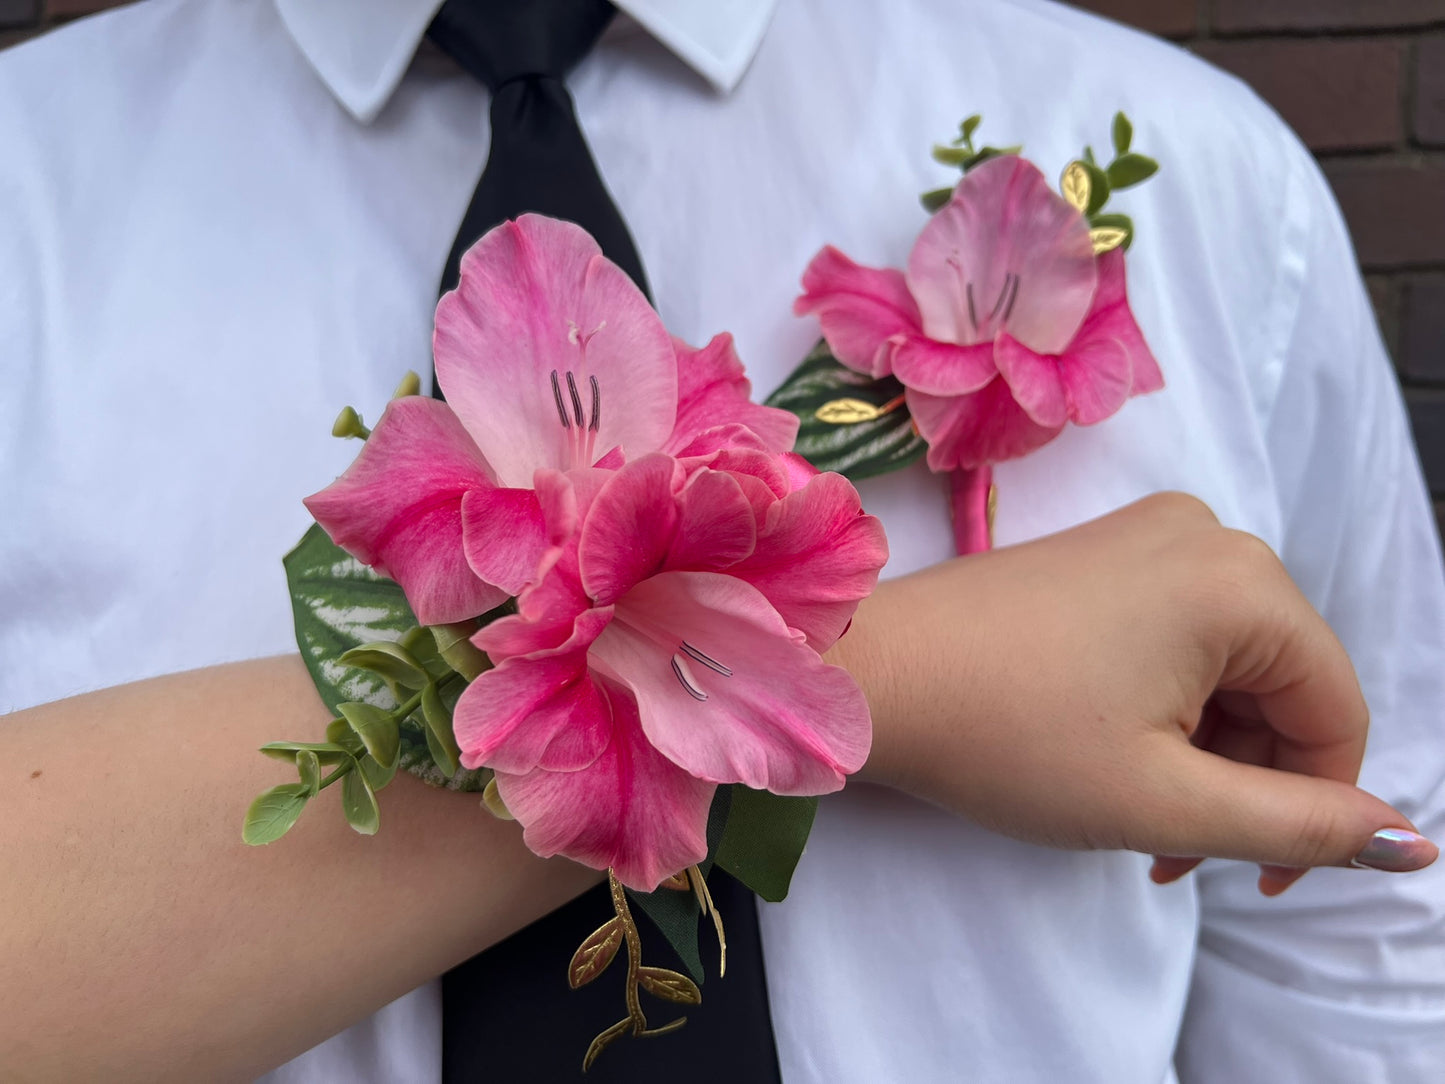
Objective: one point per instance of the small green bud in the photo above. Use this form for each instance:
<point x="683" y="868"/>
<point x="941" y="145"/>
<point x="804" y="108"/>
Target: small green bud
<point x="410" y="385"/>
<point x="349" y="424"/>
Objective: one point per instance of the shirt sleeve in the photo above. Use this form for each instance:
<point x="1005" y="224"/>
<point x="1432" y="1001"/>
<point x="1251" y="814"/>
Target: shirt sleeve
<point x="1341" y="980"/>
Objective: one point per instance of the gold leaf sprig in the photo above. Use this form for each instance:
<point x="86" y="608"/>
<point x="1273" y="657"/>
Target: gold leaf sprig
<point x="602" y="946"/>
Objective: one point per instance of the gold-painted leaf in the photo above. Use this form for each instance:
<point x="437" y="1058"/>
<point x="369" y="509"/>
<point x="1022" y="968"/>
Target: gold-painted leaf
<point x="846" y="412"/>
<point x="678" y="882"/>
<point x="669" y="985"/>
<point x="594" y="954"/>
<point x="1107" y="238"/>
<point x="1076" y="186"/>
<point x="606" y="1039"/>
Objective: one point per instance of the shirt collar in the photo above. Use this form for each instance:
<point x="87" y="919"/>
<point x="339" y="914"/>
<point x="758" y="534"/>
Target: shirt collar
<point x="362" y="48"/>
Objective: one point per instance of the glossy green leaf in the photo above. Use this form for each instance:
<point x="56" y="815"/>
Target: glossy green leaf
<point x="421" y="644"/>
<point x="950" y="156"/>
<point x="359" y="804"/>
<point x="390" y="660"/>
<point x="377" y="729"/>
<point x="1123" y="134"/>
<point x="441" y="742"/>
<point x="969" y="126"/>
<point x="308" y="767"/>
<point x="338" y="604"/>
<point x="764" y="838"/>
<point x="859" y="450"/>
<point x="1130" y="169"/>
<point x="273" y="813"/>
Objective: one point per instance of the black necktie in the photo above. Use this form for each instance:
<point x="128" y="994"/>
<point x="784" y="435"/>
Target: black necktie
<point x="508" y="1014"/>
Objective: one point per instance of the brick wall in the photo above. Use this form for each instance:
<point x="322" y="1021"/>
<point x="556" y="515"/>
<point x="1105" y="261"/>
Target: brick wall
<point x="1362" y="81"/>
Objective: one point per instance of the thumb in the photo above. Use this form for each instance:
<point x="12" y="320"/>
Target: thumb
<point x="1211" y="807"/>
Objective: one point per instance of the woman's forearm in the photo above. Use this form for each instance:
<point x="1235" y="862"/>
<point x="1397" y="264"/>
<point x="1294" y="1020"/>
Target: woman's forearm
<point x="141" y="939"/>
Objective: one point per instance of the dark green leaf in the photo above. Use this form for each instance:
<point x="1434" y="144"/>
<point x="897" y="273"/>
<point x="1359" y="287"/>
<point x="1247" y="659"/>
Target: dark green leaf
<point x="273" y="813"/>
<point x="390" y="660"/>
<point x="676" y="913"/>
<point x="1129" y="169"/>
<point x="1098" y="188"/>
<point x="308" y="767"/>
<point x="764" y="838"/>
<point x="934" y="199"/>
<point x="359" y="804"/>
<point x="859" y="450"/>
<point x="338" y="603"/>
<point x="1123" y="134"/>
<point x="440" y="740"/>
<point x="377" y="729"/>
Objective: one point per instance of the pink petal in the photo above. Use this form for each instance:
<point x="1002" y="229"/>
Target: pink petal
<point x="973" y="430"/>
<point x="1035" y="380"/>
<point x="537" y="709"/>
<point x="1096" y="374"/>
<point x="1112" y="319"/>
<point x="631" y="810"/>
<point x="712" y="390"/>
<point x="397" y="509"/>
<point x="782" y="720"/>
<point x="941" y="368"/>
<point x="860" y="309"/>
<point x="716" y="524"/>
<point x="799" y="471"/>
<point x="1004" y="220"/>
<point x="629" y="527"/>
<point x="817" y="557"/>
<point x="536" y="296"/>
<point x="504" y="536"/>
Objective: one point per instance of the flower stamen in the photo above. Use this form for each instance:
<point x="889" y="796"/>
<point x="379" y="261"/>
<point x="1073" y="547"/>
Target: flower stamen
<point x="596" y="404"/>
<point x="686" y="680"/>
<point x="576" y="398"/>
<point x="561" y="407"/>
<point x="711" y="663"/>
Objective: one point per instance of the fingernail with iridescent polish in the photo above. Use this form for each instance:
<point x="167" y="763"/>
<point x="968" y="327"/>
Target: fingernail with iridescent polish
<point x="1396" y="850"/>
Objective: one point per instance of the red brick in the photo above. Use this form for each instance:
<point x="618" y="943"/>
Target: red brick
<point x="19" y="12"/>
<point x="1231" y="16"/>
<point x="1395" y="208"/>
<point x="1422" y="329"/>
<point x="1171" y="18"/>
<point x="1337" y="95"/>
<point x="1429" y="119"/>
<point x="1427" y="418"/>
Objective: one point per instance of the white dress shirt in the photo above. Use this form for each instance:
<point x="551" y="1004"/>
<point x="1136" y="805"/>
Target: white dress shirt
<point x="224" y="219"/>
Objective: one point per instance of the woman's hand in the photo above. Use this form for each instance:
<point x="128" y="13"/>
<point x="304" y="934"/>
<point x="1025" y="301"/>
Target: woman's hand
<point x="1149" y="681"/>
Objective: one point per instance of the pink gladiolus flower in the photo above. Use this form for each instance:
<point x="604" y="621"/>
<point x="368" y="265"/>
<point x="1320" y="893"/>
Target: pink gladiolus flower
<point x="671" y="643"/>
<point x="550" y="358"/>
<point x="1005" y="326"/>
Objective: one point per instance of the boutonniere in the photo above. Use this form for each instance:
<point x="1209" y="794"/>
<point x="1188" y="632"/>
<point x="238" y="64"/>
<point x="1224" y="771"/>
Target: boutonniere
<point x="1010" y="322"/>
<point x="594" y="585"/>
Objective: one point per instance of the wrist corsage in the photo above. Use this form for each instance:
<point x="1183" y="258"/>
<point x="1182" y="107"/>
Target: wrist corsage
<point x="594" y="584"/>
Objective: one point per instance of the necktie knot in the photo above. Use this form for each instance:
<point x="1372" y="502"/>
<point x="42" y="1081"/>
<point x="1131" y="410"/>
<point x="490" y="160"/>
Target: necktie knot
<point x="499" y="41"/>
